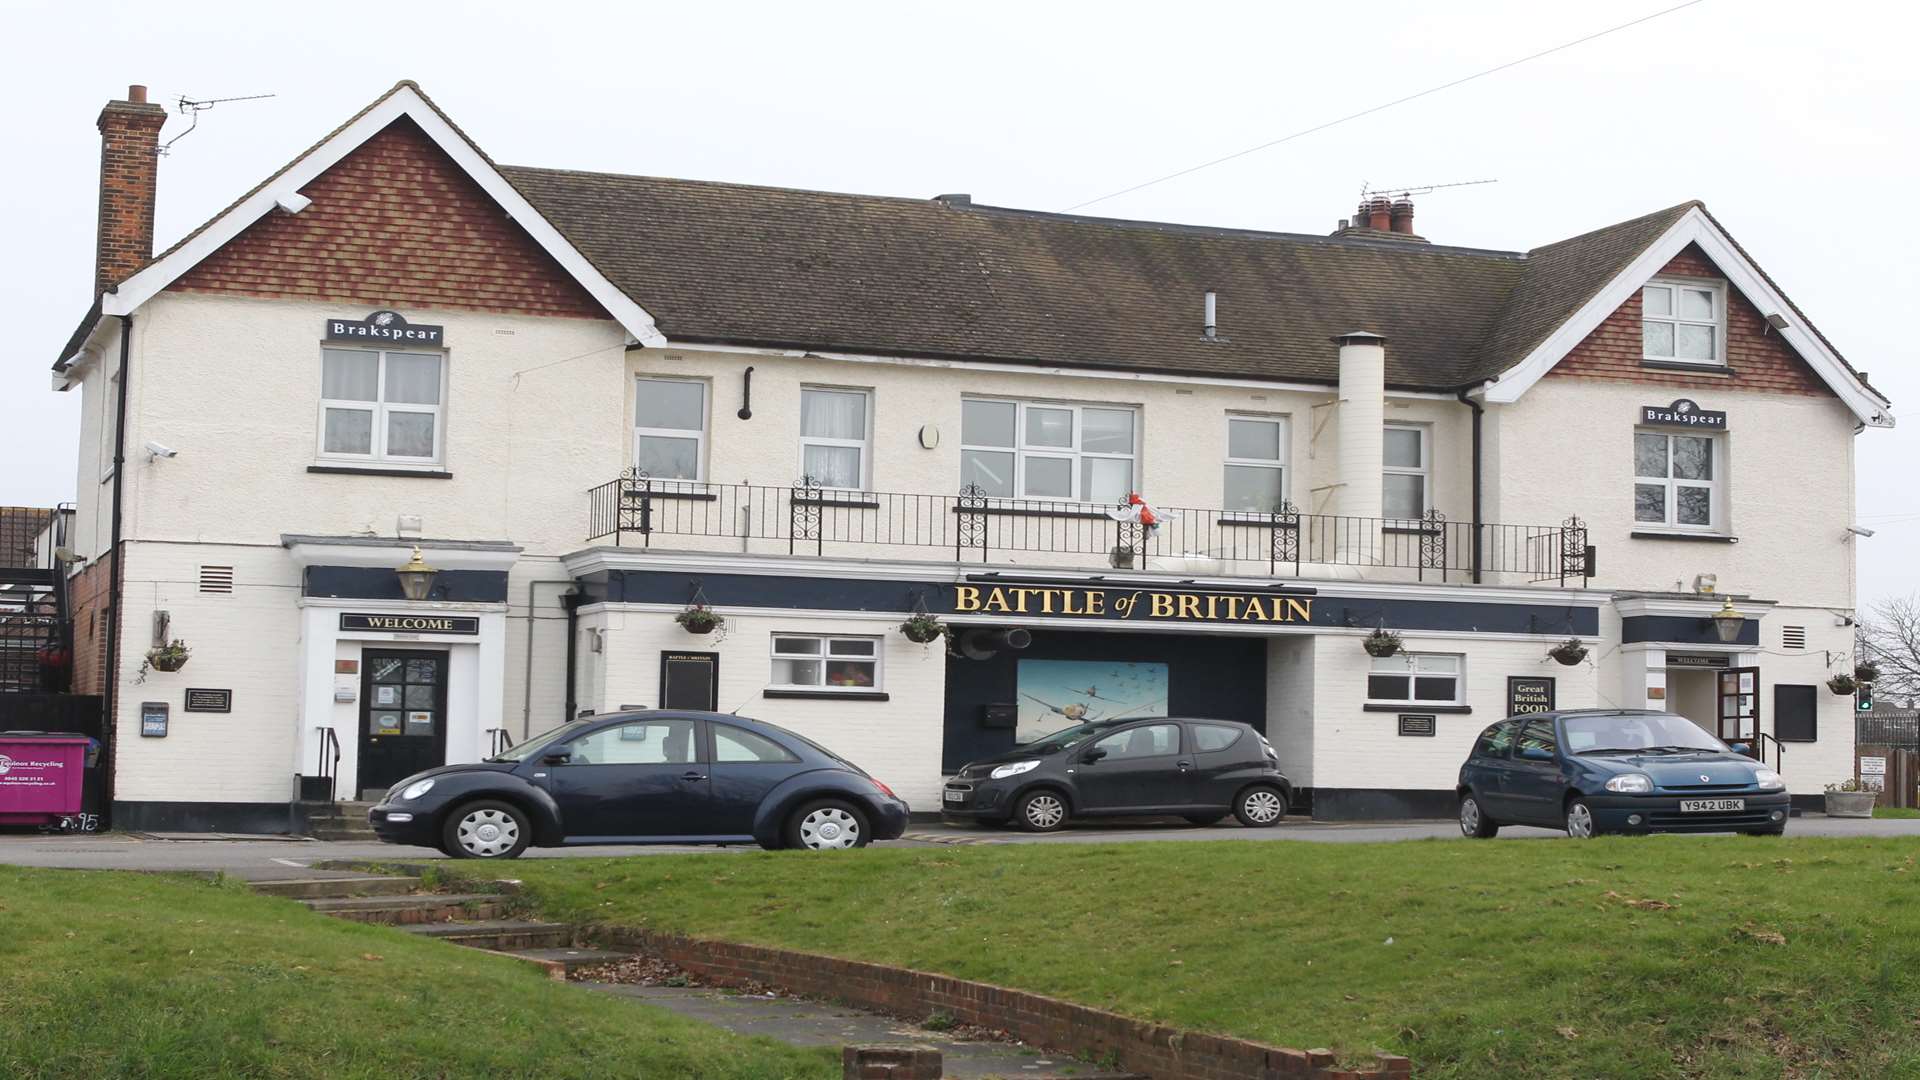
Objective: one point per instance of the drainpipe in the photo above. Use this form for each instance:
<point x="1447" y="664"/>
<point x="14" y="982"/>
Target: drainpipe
<point x="572" y="603"/>
<point x="116" y="575"/>
<point x="1479" y="412"/>
<point x="526" y="697"/>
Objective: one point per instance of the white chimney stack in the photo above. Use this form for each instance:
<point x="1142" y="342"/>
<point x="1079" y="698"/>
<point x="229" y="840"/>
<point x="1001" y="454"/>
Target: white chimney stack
<point x="1362" y="420"/>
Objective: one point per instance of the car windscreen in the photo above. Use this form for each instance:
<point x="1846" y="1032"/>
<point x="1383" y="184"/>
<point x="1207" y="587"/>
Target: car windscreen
<point x="541" y="741"/>
<point x="1616" y="732"/>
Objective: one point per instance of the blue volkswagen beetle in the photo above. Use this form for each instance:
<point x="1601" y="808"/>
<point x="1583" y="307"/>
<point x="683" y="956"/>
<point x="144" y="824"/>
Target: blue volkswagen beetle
<point x="644" y="778"/>
<point x="1593" y="771"/>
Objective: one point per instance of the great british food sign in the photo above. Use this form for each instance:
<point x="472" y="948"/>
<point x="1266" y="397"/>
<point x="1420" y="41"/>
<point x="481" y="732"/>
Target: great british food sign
<point x="1139" y="605"/>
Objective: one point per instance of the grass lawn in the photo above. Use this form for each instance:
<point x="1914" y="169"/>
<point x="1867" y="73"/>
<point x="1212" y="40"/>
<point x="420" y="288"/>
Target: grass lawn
<point x="1895" y="812"/>
<point x="1619" y="957"/>
<point x="134" y="975"/>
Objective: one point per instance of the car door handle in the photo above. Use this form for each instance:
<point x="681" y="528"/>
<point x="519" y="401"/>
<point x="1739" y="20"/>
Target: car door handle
<point x="690" y="776"/>
<point x="1183" y="766"/>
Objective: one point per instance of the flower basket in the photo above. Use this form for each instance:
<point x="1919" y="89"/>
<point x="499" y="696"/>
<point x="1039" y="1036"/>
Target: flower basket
<point x="922" y="629"/>
<point x="1382" y="642"/>
<point x="169" y="657"/>
<point x="1568" y="652"/>
<point x="1866" y="671"/>
<point x="1842" y="684"/>
<point x="1849" y="799"/>
<point x="700" y="619"/>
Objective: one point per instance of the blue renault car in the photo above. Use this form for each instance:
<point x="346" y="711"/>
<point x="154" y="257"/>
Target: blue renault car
<point x="1593" y="771"/>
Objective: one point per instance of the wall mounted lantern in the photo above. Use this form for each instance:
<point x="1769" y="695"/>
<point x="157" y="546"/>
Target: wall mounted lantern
<point x="1727" y="622"/>
<point x="416" y="578"/>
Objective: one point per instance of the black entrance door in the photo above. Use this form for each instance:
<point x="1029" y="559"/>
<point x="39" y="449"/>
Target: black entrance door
<point x="403" y="715"/>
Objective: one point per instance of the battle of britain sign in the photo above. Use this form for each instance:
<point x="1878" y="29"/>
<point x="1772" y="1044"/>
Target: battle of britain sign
<point x="1131" y="604"/>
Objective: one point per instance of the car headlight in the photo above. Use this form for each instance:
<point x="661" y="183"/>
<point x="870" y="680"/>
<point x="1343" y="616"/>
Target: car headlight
<point x="1631" y="784"/>
<point x="1767" y="778"/>
<point x="416" y="790"/>
<point x="1014" y="769"/>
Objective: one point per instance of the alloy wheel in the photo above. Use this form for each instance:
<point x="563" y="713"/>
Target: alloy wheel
<point x="829" y="828"/>
<point x="1469" y="816"/>
<point x="1263" y="806"/>
<point x="1045" y="812"/>
<point x="1579" y="821"/>
<point x="488" y="832"/>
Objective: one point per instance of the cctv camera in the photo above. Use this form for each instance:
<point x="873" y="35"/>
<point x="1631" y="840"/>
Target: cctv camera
<point x="156" y="450"/>
<point x="1859" y="530"/>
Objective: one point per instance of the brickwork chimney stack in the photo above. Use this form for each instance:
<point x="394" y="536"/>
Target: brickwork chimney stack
<point x="1402" y="215"/>
<point x="129" y="178"/>
<point x="1379" y="213"/>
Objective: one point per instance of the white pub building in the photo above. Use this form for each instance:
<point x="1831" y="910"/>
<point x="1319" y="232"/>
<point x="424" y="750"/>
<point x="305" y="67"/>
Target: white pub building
<point x="1129" y="468"/>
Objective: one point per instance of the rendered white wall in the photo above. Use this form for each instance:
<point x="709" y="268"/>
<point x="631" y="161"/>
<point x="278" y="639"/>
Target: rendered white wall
<point x="1290" y="705"/>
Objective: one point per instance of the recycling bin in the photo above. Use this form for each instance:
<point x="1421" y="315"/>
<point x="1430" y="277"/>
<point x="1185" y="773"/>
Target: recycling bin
<point x="41" y="777"/>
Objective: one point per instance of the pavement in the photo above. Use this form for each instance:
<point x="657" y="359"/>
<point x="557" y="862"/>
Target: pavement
<point x="265" y="858"/>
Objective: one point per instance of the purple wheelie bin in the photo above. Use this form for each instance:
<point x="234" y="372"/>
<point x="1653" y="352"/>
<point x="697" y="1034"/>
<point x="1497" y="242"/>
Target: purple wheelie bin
<point x="41" y="776"/>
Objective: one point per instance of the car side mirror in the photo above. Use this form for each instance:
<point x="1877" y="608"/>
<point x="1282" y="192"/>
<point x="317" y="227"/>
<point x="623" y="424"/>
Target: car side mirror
<point x="558" y="757"/>
<point x="1534" y="753"/>
<point x="1093" y="755"/>
<point x="1740" y="748"/>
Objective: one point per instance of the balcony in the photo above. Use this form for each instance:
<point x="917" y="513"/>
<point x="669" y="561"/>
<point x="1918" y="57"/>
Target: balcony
<point x="972" y="527"/>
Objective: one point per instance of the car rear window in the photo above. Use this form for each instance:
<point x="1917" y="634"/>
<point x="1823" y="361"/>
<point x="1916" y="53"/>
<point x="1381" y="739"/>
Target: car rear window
<point x="1208" y="738"/>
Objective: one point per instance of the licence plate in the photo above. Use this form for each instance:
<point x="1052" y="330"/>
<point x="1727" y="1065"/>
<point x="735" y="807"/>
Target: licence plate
<point x="1708" y="806"/>
<point x="956" y="796"/>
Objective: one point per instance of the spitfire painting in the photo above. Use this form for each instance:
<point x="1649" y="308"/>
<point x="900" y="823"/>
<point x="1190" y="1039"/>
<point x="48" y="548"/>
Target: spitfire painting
<point x="1056" y="694"/>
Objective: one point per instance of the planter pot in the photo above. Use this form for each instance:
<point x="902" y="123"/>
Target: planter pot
<point x="1851" y="803"/>
<point x="1568" y="657"/>
<point x="1841" y="685"/>
<point x="167" y="663"/>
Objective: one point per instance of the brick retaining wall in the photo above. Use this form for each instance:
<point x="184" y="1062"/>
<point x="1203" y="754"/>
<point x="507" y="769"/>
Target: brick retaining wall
<point x="1165" y="1053"/>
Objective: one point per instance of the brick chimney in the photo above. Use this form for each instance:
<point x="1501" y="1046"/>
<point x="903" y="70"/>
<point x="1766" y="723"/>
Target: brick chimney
<point x="129" y="175"/>
<point x="1402" y="215"/>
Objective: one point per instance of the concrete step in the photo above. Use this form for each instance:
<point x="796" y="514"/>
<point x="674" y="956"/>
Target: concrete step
<point x="411" y="910"/>
<point x="570" y="959"/>
<point x="504" y="935"/>
<point x="311" y="888"/>
<point x="343" y="834"/>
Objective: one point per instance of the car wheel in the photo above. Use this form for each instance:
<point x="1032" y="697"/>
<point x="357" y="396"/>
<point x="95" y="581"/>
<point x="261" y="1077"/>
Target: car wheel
<point x="828" y="825"/>
<point x="1473" y="821"/>
<point x="1203" y="820"/>
<point x="1580" y="823"/>
<point x="486" y="830"/>
<point x="1260" y="807"/>
<point x="1041" y="811"/>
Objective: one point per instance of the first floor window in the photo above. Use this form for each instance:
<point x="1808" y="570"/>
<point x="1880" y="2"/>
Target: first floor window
<point x="670" y="428"/>
<point x="1043" y="450"/>
<point x="1406" y="472"/>
<point x="1681" y="322"/>
<point x="818" y="662"/>
<point x="833" y="437"/>
<point x="1415" y="679"/>
<point x="1673" y="480"/>
<point x="381" y="406"/>
<point x="1256" y="479"/>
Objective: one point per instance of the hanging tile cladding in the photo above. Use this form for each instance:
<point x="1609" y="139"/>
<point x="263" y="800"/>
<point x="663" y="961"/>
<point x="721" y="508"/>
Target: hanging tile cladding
<point x="1760" y="359"/>
<point x="395" y="224"/>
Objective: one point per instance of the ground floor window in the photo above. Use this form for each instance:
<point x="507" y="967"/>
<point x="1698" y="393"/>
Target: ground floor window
<point x="1415" y="679"/>
<point x="820" y="662"/>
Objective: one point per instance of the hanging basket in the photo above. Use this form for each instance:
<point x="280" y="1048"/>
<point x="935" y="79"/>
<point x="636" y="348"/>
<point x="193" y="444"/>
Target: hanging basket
<point x="1866" y="671"/>
<point x="1381" y="643"/>
<point x="699" y="619"/>
<point x="1568" y="652"/>
<point x="1842" y="684"/>
<point x="169" y="657"/>
<point x="922" y="629"/>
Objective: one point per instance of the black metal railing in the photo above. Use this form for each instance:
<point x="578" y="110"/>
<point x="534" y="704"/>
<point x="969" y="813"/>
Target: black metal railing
<point x="328" y="767"/>
<point x="498" y="741"/>
<point x="36" y="644"/>
<point x="973" y="526"/>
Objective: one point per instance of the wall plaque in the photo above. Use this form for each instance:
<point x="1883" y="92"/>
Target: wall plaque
<point x="1683" y="413"/>
<point x="1530" y="694"/>
<point x="1419" y="724"/>
<point x="385" y="327"/>
<point x="203" y="700"/>
<point x="411" y="624"/>
<point x="153" y="719"/>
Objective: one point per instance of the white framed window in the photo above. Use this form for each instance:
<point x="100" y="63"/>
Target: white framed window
<point x="1417" y="679"/>
<point x="670" y="428"/>
<point x="835" y="436"/>
<point x="1406" y="486"/>
<point x="825" y="662"/>
<point x="1255" y="476"/>
<point x="1675" y="480"/>
<point x="382" y="406"/>
<point x="109" y="413"/>
<point x="1683" y="322"/>
<point x="1048" y="450"/>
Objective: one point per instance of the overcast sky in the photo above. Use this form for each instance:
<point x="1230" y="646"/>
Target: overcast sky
<point x="1793" y="121"/>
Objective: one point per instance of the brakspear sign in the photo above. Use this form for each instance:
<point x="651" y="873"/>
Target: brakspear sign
<point x="386" y="328"/>
<point x="1141" y="605"/>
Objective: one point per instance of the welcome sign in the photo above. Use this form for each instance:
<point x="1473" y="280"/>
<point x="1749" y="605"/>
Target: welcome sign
<point x="1140" y="605"/>
<point x="412" y="624"/>
<point x="385" y="327"/>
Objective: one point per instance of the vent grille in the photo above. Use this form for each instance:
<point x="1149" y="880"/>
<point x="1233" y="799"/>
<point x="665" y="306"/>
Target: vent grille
<point x="1793" y="637"/>
<point x="216" y="579"/>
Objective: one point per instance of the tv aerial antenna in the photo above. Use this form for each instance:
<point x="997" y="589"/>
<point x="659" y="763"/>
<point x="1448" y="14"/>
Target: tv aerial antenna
<point x="192" y="107"/>
<point x="1367" y="189"/>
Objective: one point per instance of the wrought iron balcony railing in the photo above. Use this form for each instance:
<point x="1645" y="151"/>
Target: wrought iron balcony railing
<point x="974" y="527"/>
